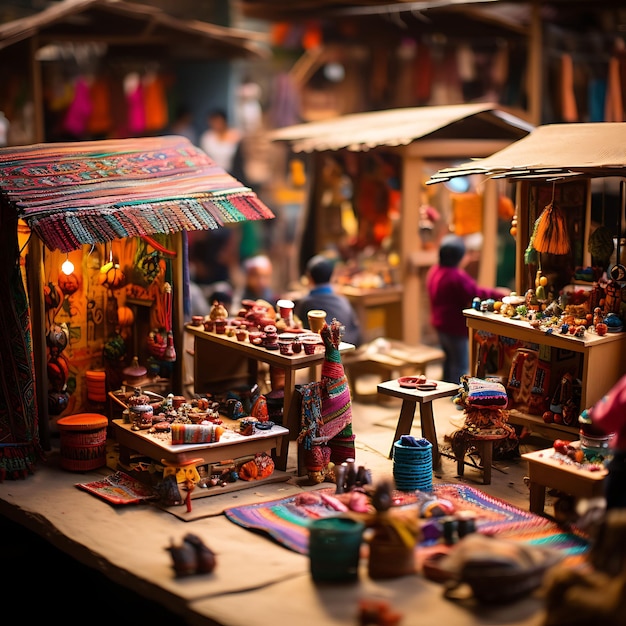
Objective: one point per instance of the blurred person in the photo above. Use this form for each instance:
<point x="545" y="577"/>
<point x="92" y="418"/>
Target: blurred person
<point x="214" y="259"/>
<point x="220" y="141"/>
<point x="322" y="295"/>
<point x="258" y="279"/>
<point x="450" y="290"/>
<point x="182" y="125"/>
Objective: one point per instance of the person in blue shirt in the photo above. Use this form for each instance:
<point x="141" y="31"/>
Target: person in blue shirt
<point x="319" y="271"/>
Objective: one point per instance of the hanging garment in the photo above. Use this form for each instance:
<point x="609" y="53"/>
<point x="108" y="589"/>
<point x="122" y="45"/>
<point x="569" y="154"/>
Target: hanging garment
<point x="100" y="120"/>
<point x="467" y="212"/>
<point x="569" y="110"/>
<point x="614" y="106"/>
<point x="19" y="427"/>
<point x="135" y="109"/>
<point x="423" y="74"/>
<point x="597" y="98"/>
<point x="77" y="115"/>
<point x="155" y="103"/>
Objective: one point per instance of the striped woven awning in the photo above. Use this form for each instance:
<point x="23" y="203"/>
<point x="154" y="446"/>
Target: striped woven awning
<point x="71" y="194"/>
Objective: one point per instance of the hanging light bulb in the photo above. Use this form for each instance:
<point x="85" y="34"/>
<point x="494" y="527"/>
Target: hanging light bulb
<point x="68" y="267"/>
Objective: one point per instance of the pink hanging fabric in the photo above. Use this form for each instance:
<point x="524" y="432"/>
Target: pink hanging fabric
<point x="136" y="115"/>
<point x="77" y="115"/>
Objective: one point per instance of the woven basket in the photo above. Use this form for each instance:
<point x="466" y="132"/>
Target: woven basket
<point x="83" y="441"/>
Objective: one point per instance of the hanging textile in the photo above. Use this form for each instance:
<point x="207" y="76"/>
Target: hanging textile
<point x="100" y="120"/>
<point x="78" y="193"/>
<point x="568" y="99"/>
<point x="467" y="212"/>
<point x="136" y="110"/>
<point x="614" y="106"/>
<point x="155" y="103"/>
<point x="77" y="116"/>
<point x="19" y="433"/>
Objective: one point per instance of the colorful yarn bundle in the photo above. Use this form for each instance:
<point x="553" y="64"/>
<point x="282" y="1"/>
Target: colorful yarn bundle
<point x="196" y="433"/>
<point x="326" y="418"/>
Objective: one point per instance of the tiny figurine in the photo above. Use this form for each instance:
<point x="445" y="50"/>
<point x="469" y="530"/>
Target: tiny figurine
<point x="218" y="312"/>
<point x="392" y="544"/>
<point x="191" y="556"/>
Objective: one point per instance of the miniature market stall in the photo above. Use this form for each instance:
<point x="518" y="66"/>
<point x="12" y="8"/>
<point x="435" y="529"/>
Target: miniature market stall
<point x="558" y="342"/>
<point x="368" y="202"/>
<point x="111" y="216"/>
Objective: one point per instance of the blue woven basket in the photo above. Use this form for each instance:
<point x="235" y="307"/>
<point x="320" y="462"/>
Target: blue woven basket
<point x="413" y="466"/>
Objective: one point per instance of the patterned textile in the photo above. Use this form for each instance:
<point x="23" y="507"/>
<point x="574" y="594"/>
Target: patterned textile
<point x="19" y="434"/>
<point x="78" y="193"/>
<point x="287" y="521"/>
<point x="481" y="393"/>
<point x="326" y="417"/>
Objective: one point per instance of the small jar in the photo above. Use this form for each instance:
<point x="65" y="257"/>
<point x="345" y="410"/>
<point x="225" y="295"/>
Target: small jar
<point x="141" y="416"/>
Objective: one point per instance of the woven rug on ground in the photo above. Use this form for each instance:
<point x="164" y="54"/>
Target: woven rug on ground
<point x="287" y="522"/>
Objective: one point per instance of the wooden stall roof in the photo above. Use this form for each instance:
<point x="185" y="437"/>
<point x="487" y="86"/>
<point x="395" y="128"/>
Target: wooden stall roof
<point x="553" y="151"/>
<point x="119" y="23"/>
<point x="399" y="127"/>
<point x="77" y="193"/>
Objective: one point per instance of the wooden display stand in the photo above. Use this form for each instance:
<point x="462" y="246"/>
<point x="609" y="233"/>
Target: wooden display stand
<point x="602" y="362"/>
<point x="220" y="359"/>
<point x="546" y="471"/>
<point x="231" y="446"/>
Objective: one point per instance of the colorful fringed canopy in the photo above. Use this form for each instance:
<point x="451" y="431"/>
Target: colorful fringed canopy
<point x="90" y="192"/>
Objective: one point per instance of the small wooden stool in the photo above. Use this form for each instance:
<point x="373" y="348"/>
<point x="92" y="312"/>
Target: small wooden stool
<point x="410" y="399"/>
<point x="484" y="446"/>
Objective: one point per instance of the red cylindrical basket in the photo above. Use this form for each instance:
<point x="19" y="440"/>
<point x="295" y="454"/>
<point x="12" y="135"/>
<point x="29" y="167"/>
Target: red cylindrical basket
<point x="83" y="441"/>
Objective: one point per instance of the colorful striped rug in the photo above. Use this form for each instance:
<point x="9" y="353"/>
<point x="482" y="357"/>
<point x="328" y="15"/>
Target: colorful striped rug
<point x="287" y="522"/>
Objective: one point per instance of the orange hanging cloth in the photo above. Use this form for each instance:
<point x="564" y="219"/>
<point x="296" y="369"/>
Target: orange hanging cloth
<point x="568" y="99"/>
<point x="155" y="103"/>
<point x="614" y="106"/>
<point x="100" y="121"/>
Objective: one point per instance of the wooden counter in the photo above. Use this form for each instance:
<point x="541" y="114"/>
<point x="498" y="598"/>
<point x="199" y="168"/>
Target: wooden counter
<point x="255" y="581"/>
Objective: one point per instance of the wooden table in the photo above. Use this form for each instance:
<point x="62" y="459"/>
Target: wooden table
<point x="231" y="445"/>
<point x="546" y="470"/>
<point x="220" y="359"/>
<point x="410" y="399"/>
<point x="386" y="299"/>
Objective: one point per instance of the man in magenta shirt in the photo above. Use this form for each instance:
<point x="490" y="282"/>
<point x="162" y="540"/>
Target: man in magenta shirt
<point x="450" y="290"/>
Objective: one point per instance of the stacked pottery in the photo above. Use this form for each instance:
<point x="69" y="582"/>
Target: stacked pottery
<point x="270" y="337"/>
<point x="413" y="464"/>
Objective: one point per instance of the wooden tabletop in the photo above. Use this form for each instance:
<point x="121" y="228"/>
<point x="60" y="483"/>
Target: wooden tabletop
<point x="393" y="388"/>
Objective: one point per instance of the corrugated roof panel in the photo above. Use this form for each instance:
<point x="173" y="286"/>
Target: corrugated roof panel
<point x="77" y="193"/>
<point x="393" y="127"/>
<point x="595" y="148"/>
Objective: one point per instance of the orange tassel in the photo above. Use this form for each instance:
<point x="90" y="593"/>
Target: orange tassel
<point x="551" y="232"/>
